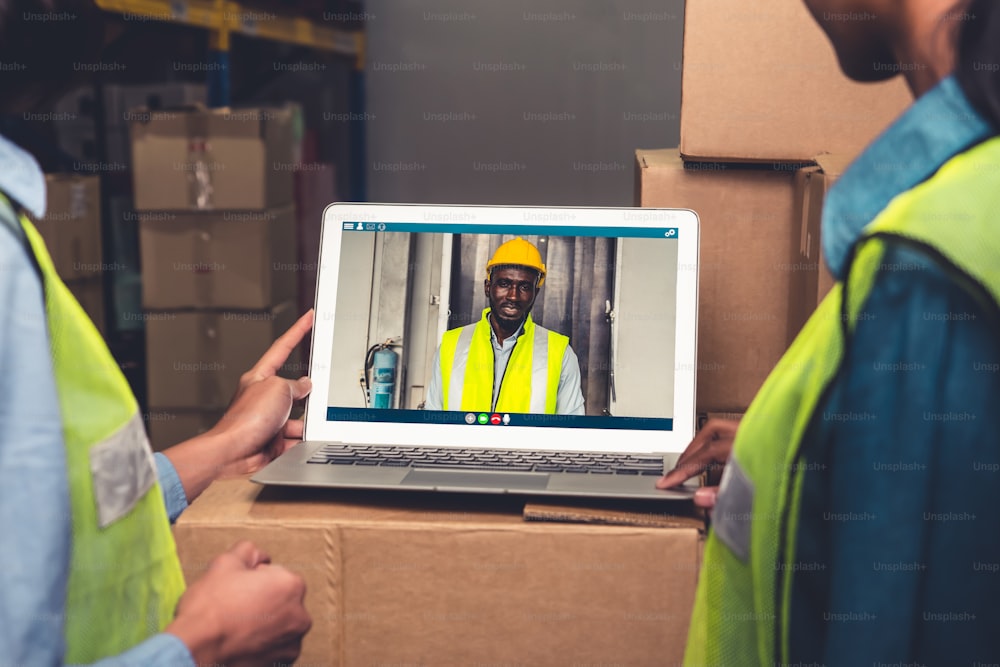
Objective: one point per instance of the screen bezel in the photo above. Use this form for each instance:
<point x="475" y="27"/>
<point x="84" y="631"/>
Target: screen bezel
<point x="510" y="437"/>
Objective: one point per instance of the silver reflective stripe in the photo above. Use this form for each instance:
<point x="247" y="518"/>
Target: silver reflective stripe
<point x="731" y="518"/>
<point x="123" y="470"/>
<point x="539" y="370"/>
<point x="457" y="381"/>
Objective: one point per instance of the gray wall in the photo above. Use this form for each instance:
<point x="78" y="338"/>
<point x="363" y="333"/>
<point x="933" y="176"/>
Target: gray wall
<point x="537" y="102"/>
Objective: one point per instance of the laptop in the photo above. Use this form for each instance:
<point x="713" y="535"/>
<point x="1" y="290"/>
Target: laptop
<point x="405" y="334"/>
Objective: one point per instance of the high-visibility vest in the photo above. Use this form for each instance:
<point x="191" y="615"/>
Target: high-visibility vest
<point x="530" y="383"/>
<point x="125" y="578"/>
<point x="742" y="609"/>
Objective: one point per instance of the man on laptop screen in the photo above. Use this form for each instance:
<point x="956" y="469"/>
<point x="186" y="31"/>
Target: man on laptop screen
<point x="505" y="362"/>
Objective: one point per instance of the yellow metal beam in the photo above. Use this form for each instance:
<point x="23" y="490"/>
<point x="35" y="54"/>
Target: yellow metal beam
<point x="224" y="17"/>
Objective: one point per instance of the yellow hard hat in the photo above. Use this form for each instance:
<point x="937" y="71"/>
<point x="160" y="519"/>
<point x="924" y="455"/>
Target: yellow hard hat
<point x="520" y="253"/>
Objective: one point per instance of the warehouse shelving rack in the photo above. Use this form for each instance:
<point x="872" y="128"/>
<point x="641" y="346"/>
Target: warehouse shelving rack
<point x="222" y="19"/>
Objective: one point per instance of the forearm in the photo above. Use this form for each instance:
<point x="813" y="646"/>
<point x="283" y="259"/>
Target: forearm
<point x="199" y="461"/>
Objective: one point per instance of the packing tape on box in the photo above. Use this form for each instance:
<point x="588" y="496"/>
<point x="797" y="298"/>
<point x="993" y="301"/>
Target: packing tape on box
<point x="200" y="164"/>
<point x="77" y="200"/>
<point x="684" y="518"/>
<point x="204" y="268"/>
<point x="210" y="390"/>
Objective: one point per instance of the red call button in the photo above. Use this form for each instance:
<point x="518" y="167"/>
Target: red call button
<point x="494" y="419"/>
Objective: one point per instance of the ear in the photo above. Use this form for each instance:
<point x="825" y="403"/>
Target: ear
<point x="486" y="288"/>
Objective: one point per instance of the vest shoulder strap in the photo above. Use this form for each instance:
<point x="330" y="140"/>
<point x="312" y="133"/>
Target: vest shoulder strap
<point x="11" y="220"/>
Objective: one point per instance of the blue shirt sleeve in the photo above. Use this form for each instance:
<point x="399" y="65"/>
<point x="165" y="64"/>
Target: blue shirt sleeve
<point x="162" y="650"/>
<point x="898" y="541"/>
<point x="171" y="487"/>
<point x="569" y="396"/>
<point x="34" y="489"/>
<point x="434" y="398"/>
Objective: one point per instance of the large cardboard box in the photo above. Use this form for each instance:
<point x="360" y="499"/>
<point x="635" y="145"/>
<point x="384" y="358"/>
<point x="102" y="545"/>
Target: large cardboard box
<point x="194" y="359"/>
<point x="748" y="264"/>
<point x="760" y="81"/>
<point x="445" y="579"/>
<point x="830" y="169"/>
<point x="811" y="185"/>
<point x="234" y="259"/>
<point x="72" y="225"/>
<point x="215" y="159"/>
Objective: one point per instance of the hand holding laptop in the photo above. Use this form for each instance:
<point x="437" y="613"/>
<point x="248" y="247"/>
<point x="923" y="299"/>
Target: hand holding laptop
<point x="255" y="429"/>
<point x="256" y="423"/>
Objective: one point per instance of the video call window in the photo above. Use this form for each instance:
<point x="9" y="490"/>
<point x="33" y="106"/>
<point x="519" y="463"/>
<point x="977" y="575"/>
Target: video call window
<point x="401" y="294"/>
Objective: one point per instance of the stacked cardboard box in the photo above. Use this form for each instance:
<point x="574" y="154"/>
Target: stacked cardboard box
<point x="214" y="196"/>
<point x="755" y="109"/>
<point x="76" y="114"/>
<point x="79" y="119"/>
<point x="71" y="229"/>
<point x="463" y="579"/>
<point x="811" y="186"/>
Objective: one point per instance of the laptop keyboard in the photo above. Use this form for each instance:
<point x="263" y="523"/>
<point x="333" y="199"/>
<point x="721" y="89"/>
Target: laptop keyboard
<point x="488" y="459"/>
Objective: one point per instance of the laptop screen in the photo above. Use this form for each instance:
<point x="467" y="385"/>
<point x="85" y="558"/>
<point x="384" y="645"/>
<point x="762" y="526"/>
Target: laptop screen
<point x="571" y="328"/>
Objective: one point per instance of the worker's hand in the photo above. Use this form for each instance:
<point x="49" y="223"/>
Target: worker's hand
<point x="708" y="452"/>
<point x="256" y="425"/>
<point x="243" y="611"/>
<point x="255" y="428"/>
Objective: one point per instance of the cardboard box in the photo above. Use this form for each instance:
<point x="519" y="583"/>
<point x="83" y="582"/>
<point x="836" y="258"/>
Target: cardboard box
<point x="808" y="208"/>
<point x="89" y="292"/>
<point x="761" y="82"/>
<point x="234" y="260"/>
<point x="811" y="186"/>
<point x="215" y="159"/>
<point x="749" y="239"/>
<point x="831" y="167"/>
<point x="446" y="579"/>
<point x="72" y="225"/>
<point x="705" y="417"/>
<point x="194" y="359"/>
<point x="167" y="427"/>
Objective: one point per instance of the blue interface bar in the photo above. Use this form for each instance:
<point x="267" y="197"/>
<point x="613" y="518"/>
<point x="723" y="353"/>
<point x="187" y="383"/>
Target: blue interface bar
<point x="526" y="230"/>
<point x="498" y="420"/>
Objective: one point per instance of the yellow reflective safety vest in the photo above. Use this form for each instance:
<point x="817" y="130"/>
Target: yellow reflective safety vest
<point x="743" y="605"/>
<point x="530" y="383"/>
<point x="125" y="578"/>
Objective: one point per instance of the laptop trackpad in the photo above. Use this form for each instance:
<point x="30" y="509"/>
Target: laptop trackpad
<point x="474" y="479"/>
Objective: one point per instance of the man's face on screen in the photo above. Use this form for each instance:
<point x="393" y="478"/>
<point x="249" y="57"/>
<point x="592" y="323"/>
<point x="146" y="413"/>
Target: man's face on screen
<point x="511" y="293"/>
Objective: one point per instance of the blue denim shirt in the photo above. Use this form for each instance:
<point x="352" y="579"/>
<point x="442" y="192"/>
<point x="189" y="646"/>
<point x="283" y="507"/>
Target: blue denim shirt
<point x="34" y="492"/>
<point x="898" y="548"/>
